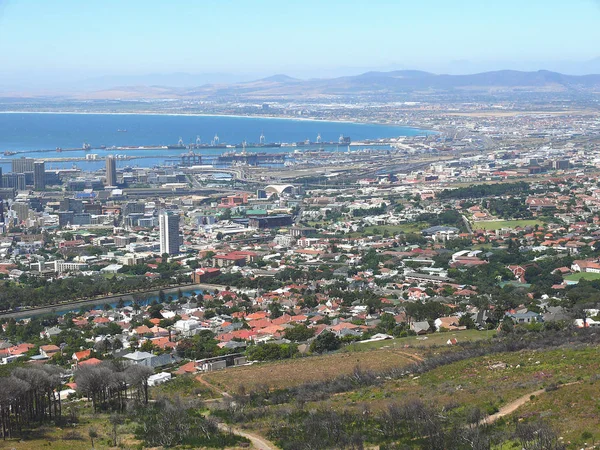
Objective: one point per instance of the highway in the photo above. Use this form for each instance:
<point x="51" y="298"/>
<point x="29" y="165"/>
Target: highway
<point x="76" y="305"/>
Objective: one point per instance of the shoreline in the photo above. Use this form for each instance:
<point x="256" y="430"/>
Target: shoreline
<point x="237" y="116"/>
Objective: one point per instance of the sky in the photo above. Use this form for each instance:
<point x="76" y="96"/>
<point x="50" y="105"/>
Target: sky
<point x="75" y="39"/>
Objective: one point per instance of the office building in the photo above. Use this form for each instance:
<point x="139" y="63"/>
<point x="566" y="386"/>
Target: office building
<point x="65" y="218"/>
<point x="21" y="210"/>
<point x="22" y="165"/>
<point x="71" y="204"/>
<point x="111" y="171"/>
<point x="561" y="164"/>
<point x="39" y="175"/>
<point x="14" y="180"/>
<point x="169" y="233"/>
<point x="81" y="219"/>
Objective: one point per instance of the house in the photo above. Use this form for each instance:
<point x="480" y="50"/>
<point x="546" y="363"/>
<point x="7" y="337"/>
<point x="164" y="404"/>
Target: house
<point x="187" y="328"/>
<point x="89" y="362"/>
<point x="50" y="332"/>
<point x="150" y="360"/>
<point x="80" y="356"/>
<point x="585" y="266"/>
<point x="48" y="351"/>
<point x="525" y="317"/>
<point x="10" y="354"/>
<point x="159" y="378"/>
<point x="204" y="274"/>
<point x="230" y="259"/>
<point x="448" y="323"/>
<point x="420" y="327"/>
<point x="140" y="358"/>
<point x="518" y="272"/>
<point x="189" y="367"/>
<point x="555" y="314"/>
<point x="415" y="293"/>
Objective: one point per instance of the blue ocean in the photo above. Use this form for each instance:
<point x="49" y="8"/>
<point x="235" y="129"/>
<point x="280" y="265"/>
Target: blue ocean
<point x="38" y="135"/>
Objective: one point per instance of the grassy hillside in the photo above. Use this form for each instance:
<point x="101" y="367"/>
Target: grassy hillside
<point x="292" y="372"/>
<point x="505" y="392"/>
<point x="519" y="384"/>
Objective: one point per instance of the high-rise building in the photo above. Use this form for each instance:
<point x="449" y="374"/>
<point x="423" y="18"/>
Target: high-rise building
<point x="22" y="165"/>
<point x="65" y="218"/>
<point x="71" y="204"/>
<point x="111" y="171"/>
<point x="14" y="180"/>
<point x="21" y="209"/>
<point x="39" y="175"/>
<point x="169" y="233"/>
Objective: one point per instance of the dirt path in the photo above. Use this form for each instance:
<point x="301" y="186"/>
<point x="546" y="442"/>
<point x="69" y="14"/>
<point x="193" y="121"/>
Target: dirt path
<point x="516" y="404"/>
<point x="258" y="442"/>
<point x="201" y="379"/>
<point x="412" y="356"/>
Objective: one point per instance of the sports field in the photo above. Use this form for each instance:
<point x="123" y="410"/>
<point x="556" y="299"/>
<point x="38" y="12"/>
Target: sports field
<point x="498" y="224"/>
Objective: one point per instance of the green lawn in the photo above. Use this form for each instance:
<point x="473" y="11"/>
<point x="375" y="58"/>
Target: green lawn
<point x="583" y="275"/>
<point x="378" y="230"/>
<point x="498" y="224"/>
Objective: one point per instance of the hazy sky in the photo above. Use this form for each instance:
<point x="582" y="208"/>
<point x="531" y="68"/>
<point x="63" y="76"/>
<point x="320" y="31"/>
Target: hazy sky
<point x="93" y="37"/>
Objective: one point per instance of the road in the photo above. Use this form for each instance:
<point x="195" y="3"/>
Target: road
<point x="467" y="224"/>
<point x="75" y="305"/>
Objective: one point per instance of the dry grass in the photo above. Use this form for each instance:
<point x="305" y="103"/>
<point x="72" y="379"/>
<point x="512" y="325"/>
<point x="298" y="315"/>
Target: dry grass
<point x="486" y="382"/>
<point x="292" y="372"/>
<point x="582" y="402"/>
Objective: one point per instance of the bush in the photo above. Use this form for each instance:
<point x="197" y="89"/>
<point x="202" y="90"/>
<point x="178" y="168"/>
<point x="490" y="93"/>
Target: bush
<point x="271" y="352"/>
<point x="325" y="342"/>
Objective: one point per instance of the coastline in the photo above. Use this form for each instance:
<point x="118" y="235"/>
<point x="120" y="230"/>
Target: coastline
<point x="237" y="116"/>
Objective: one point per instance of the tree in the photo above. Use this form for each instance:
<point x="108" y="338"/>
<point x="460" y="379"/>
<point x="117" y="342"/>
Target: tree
<point x="271" y="352"/>
<point x="275" y="310"/>
<point x="147" y="346"/>
<point x="93" y="434"/>
<point x="299" y="333"/>
<point x="115" y="421"/>
<point x="387" y="323"/>
<point x="325" y="342"/>
<point x="467" y="321"/>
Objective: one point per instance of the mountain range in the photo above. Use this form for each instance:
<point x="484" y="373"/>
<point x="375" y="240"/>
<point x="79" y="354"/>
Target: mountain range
<point x="369" y="84"/>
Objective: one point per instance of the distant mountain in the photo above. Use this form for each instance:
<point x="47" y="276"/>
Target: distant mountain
<point x="280" y="78"/>
<point x="407" y="81"/>
<point x="394" y="84"/>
